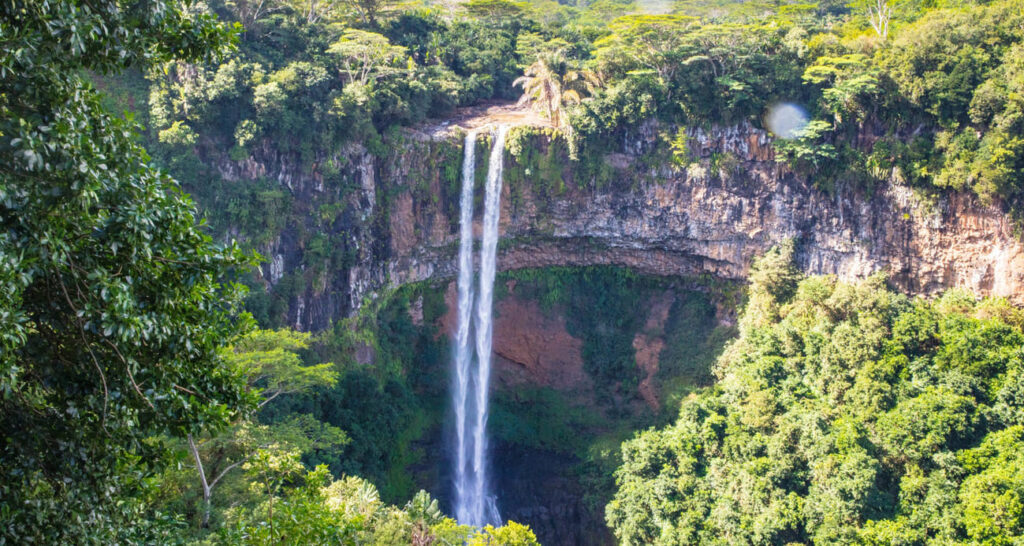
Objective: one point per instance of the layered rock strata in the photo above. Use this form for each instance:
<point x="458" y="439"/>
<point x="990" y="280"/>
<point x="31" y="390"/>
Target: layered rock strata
<point x="713" y="217"/>
<point x="692" y="221"/>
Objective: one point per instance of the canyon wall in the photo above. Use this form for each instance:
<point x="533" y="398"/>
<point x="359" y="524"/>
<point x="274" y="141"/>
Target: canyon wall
<point x="712" y="217"/>
<point x="394" y="218"/>
<point x="692" y="221"/>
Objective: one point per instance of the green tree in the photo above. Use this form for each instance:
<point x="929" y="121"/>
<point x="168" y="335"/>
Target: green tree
<point x="879" y="13"/>
<point x="496" y="10"/>
<point x="551" y="86"/>
<point x="312" y="509"/>
<point x="271" y="366"/>
<point x="368" y="12"/>
<point x="993" y="495"/>
<point x="843" y="414"/>
<point x="249" y="12"/>
<point x="367" y="57"/>
<point x="646" y="42"/>
<point x="314" y="11"/>
<point x="851" y="85"/>
<point x="510" y="534"/>
<point x="114" y="313"/>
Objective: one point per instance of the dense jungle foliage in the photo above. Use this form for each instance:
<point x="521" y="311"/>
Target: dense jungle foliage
<point x="114" y="305"/>
<point x="140" y="404"/>
<point x="843" y="414"/>
<point x="130" y="379"/>
<point x="921" y="93"/>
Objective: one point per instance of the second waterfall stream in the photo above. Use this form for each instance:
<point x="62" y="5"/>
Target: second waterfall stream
<point x="475" y="502"/>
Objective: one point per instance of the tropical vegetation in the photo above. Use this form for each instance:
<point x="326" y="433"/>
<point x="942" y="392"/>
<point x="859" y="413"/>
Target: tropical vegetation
<point x="125" y="350"/>
<point x="152" y="389"/>
<point x="843" y="414"/>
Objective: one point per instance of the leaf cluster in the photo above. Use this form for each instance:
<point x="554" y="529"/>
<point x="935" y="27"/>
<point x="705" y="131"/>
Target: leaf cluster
<point x="116" y="305"/>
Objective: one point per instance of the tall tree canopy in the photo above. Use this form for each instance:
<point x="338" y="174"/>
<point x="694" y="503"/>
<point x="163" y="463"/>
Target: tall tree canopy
<point x="113" y="310"/>
<point x="844" y="414"/>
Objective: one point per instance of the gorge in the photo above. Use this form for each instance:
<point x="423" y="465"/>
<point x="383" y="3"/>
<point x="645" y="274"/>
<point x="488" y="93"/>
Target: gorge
<point x="697" y="227"/>
<point x="502" y="273"/>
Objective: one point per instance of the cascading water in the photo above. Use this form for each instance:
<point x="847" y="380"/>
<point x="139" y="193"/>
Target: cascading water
<point x="487" y="510"/>
<point x="463" y="350"/>
<point x="474" y="502"/>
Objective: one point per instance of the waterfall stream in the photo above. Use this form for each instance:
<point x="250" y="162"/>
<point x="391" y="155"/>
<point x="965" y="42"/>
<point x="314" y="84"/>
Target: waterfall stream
<point x="463" y="349"/>
<point x="475" y="503"/>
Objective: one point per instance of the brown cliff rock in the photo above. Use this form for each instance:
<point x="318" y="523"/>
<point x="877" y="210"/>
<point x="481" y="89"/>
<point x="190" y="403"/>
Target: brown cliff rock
<point x="658" y="219"/>
<point x="648" y="345"/>
<point x="687" y="222"/>
<point x="531" y="346"/>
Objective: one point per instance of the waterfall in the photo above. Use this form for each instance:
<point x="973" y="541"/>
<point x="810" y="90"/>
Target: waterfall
<point x="484" y="502"/>
<point x="463" y="351"/>
<point x="474" y="502"/>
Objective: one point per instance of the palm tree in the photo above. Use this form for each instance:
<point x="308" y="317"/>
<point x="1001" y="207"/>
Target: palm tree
<point x="543" y="87"/>
<point x="576" y="83"/>
<point x="551" y="86"/>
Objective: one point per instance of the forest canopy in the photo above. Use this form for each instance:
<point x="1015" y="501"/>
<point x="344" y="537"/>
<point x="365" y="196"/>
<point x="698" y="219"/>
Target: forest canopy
<point x="923" y="94"/>
<point x="843" y="414"/>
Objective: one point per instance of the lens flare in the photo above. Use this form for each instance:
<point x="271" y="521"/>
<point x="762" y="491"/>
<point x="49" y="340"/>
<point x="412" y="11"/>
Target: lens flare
<point x="786" y="119"/>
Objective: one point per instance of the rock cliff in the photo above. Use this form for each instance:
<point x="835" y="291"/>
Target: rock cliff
<point x="399" y="221"/>
<point x="396" y="223"/>
<point x="669" y="221"/>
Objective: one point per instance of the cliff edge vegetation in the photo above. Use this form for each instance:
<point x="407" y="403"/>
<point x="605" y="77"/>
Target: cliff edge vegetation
<point x="924" y="94"/>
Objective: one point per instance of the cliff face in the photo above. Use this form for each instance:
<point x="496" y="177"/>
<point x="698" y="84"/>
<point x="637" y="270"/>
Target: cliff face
<point x="693" y="221"/>
<point x="399" y="221"/>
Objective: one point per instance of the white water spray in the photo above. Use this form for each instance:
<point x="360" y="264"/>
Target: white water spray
<point x="474" y="502"/>
<point x="463" y="350"/>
